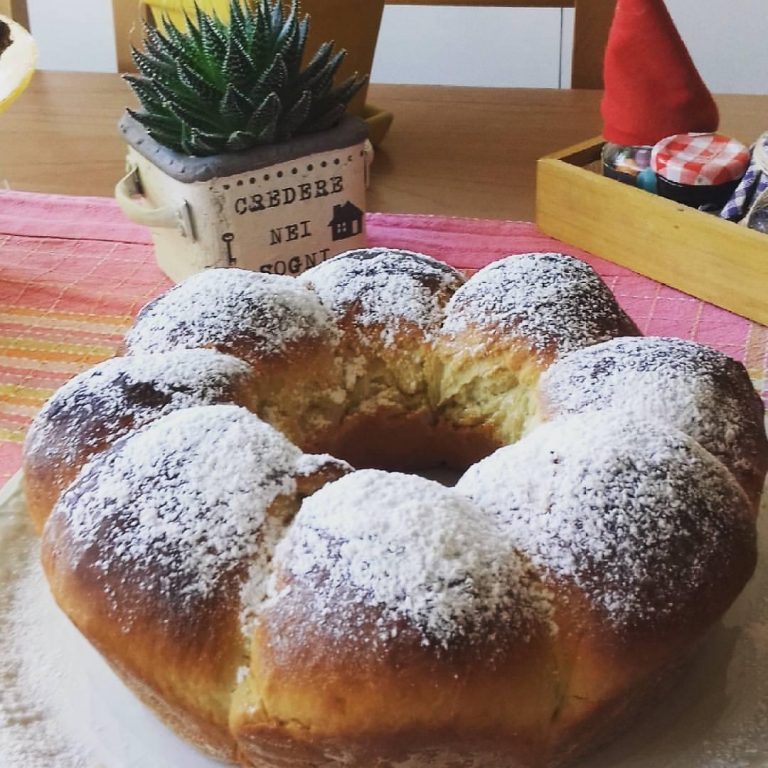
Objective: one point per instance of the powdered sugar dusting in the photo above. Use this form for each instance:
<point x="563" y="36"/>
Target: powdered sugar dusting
<point x="416" y="550"/>
<point x="692" y="387"/>
<point x="186" y="498"/>
<point x="384" y="287"/>
<point x="123" y="393"/>
<point x="637" y="514"/>
<point x="550" y="299"/>
<point x="219" y="307"/>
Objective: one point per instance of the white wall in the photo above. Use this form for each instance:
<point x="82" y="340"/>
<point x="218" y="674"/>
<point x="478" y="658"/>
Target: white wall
<point x="467" y="46"/>
<point x="513" y="47"/>
<point x="730" y="47"/>
<point x="73" y="34"/>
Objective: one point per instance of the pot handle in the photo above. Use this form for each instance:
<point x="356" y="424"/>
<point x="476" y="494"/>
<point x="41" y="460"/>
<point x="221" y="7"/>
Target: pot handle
<point x="129" y="187"/>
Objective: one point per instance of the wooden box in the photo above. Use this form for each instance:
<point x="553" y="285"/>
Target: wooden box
<point x="715" y="260"/>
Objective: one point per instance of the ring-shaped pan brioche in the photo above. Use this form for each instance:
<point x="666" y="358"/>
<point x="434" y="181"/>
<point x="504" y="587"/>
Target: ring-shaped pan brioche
<point x="281" y="610"/>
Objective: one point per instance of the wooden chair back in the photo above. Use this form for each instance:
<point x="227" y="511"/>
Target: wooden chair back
<point x="16" y="10"/>
<point x="591" y="25"/>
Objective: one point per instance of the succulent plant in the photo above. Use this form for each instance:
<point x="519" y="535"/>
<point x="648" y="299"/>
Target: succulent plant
<point x="223" y="86"/>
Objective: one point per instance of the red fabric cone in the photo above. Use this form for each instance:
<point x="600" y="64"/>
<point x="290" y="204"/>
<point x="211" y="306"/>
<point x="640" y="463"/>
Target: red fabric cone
<point x="652" y="87"/>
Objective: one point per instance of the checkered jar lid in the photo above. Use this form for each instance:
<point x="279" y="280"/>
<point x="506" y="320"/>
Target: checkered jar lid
<point x="700" y="159"/>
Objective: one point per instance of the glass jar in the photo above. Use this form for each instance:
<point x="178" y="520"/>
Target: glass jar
<point x="630" y="165"/>
<point x="700" y="170"/>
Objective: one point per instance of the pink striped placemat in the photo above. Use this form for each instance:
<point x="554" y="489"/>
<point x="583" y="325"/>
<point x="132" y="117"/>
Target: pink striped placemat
<point x="74" y="272"/>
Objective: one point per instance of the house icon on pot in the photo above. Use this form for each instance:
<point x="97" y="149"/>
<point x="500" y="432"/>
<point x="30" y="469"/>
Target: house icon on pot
<point x="347" y="221"/>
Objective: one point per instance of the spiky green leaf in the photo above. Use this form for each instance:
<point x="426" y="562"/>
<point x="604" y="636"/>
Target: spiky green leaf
<point x="346" y="90"/>
<point x="267" y="113"/>
<point x="241" y="140"/>
<point x="205" y="143"/>
<point x="297" y="115"/>
<point x="200" y="120"/>
<point x="150" y="66"/>
<point x="316" y="63"/>
<point x="327" y="119"/>
<point x="323" y="79"/>
<point x="146" y="91"/>
<point x="235" y="106"/>
<point x="213" y="40"/>
<point x="197" y="82"/>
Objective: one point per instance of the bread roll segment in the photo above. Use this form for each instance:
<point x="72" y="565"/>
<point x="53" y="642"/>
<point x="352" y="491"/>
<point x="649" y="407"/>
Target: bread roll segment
<point x="400" y="621"/>
<point x="273" y="323"/>
<point x="389" y="305"/>
<point x="644" y="539"/>
<point x="695" y="388"/>
<point x="506" y="326"/>
<point x="114" y="398"/>
<point x="149" y="550"/>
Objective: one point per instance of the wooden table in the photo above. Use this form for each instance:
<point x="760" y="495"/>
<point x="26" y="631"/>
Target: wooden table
<point x="451" y="151"/>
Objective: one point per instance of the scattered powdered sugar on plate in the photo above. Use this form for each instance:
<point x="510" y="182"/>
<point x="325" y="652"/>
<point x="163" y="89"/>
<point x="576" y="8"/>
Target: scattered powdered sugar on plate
<point x="124" y="393"/>
<point x="416" y="550"/>
<point x="32" y="731"/>
<point x="549" y="299"/>
<point x="636" y="513"/>
<point x="385" y="287"/>
<point x="219" y="307"/>
<point x="189" y="495"/>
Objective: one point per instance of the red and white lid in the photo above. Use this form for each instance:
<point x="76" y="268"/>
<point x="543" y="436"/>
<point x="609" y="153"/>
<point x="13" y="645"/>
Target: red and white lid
<point x="700" y="159"/>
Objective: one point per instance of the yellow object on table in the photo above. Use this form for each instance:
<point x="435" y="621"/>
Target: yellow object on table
<point x="174" y="10"/>
<point x="17" y="63"/>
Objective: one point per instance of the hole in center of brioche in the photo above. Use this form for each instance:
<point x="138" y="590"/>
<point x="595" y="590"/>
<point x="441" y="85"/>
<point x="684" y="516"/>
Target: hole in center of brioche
<point x="415" y="443"/>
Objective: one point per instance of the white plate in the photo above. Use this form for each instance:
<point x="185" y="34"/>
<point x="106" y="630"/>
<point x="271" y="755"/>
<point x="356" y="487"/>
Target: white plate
<point x="62" y="707"/>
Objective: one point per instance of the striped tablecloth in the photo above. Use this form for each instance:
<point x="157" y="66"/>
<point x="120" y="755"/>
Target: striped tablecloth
<point x="74" y="272"/>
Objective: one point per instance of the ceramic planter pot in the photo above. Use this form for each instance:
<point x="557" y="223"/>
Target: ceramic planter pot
<point x="279" y="208"/>
<point x="351" y="24"/>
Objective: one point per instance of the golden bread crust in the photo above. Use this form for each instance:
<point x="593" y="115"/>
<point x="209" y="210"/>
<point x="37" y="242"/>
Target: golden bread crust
<point x="335" y="695"/>
<point x="200" y="652"/>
